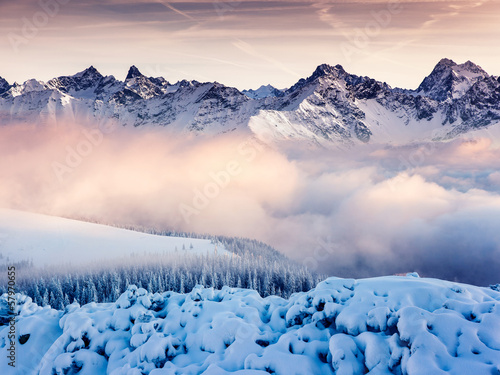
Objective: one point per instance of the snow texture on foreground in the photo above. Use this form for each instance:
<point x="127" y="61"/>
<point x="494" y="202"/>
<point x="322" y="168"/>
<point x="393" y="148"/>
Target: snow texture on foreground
<point x="386" y="325"/>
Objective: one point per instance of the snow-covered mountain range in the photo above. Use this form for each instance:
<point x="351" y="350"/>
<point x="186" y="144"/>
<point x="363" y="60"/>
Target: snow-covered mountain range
<point x="330" y="105"/>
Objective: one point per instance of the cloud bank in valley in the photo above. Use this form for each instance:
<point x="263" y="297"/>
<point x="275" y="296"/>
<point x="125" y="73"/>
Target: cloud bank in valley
<point x="374" y="210"/>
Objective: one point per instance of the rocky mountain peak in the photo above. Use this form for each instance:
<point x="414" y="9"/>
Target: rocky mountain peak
<point x="328" y="70"/>
<point x="449" y="80"/>
<point x="133" y="72"/>
<point x="4" y="85"/>
<point x="143" y="86"/>
<point x="469" y="68"/>
<point x="322" y="71"/>
<point x="89" y="78"/>
<point x="89" y="73"/>
<point x="264" y="91"/>
<point x="445" y="62"/>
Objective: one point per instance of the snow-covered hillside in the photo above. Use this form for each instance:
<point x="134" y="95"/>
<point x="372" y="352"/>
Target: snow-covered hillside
<point x="331" y="105"/>
<point x="48" y="240"/>
<point x="387" y="325"/>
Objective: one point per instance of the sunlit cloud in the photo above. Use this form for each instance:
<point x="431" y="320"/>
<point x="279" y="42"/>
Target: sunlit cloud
<point x="370" y="212"/>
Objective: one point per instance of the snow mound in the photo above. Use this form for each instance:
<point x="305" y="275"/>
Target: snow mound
<point x="386" y="325"/>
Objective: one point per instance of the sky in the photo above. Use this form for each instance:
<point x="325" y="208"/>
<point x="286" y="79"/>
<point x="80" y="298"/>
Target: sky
<point x="245" y="43"/>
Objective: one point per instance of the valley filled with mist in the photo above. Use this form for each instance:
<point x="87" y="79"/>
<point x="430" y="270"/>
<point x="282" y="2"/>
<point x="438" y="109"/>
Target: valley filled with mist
<point x="365" y="211"/>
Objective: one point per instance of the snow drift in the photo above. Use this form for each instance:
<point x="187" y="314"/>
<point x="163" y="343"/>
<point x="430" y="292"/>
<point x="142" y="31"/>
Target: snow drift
<point x="387" y="325"/>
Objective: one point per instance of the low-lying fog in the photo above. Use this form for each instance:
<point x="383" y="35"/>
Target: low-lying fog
<point x="372" y="210"/>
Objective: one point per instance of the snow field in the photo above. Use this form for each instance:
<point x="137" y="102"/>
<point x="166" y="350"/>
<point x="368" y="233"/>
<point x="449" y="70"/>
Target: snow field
<point x="386" y="325"/>
<point x="54" y="241"/>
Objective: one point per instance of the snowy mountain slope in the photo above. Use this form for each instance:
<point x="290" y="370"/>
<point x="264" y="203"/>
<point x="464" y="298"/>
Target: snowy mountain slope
<point x="386" y="325"/>
<point x="48" y="240"/>
<point x="329" y="106"/>
<point x="89" y="97"/>
<point x="335" y="105"/>
<point x="266" y="91"/>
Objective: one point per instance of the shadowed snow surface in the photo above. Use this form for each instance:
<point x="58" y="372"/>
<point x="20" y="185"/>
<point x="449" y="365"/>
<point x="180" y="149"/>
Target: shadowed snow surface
<point x="386" y="325"/>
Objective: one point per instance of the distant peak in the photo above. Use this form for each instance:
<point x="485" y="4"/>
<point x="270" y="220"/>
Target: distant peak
<point x="467" y="66"/>
<point x="471" y="67"/>
<point x="89" y="72"/>
<point x="133" y="72"/>
<point x="4" y="85"/>
<point x="447" y="65"/>
<point x="325" y="69"/>
<point x="263" y="91"/>
<point x="446" y="62"/>
<point x="449" y="80"/>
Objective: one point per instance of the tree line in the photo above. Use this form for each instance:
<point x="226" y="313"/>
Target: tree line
<point x="250" y="264"/>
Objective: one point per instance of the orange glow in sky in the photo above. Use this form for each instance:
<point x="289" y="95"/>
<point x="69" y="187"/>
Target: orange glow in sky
<point x="245" y="43"/>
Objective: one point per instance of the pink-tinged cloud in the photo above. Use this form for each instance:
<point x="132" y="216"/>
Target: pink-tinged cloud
<point x="343" y="213"/>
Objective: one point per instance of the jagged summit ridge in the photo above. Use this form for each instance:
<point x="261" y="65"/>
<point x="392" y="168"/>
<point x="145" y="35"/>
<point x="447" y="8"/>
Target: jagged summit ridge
<point x="144" y="87"/>
<point x="264" y="91"/>
<point x="449" y="80"/>
<point x="325" y="69"/>
<point x="133" y="72"/>
<point x="84" y="82"/>
<point x="90" y="72"/>
<point x="446" y="62"/>
<point x="331" y="105"/>
<point x="4" y="85"/>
